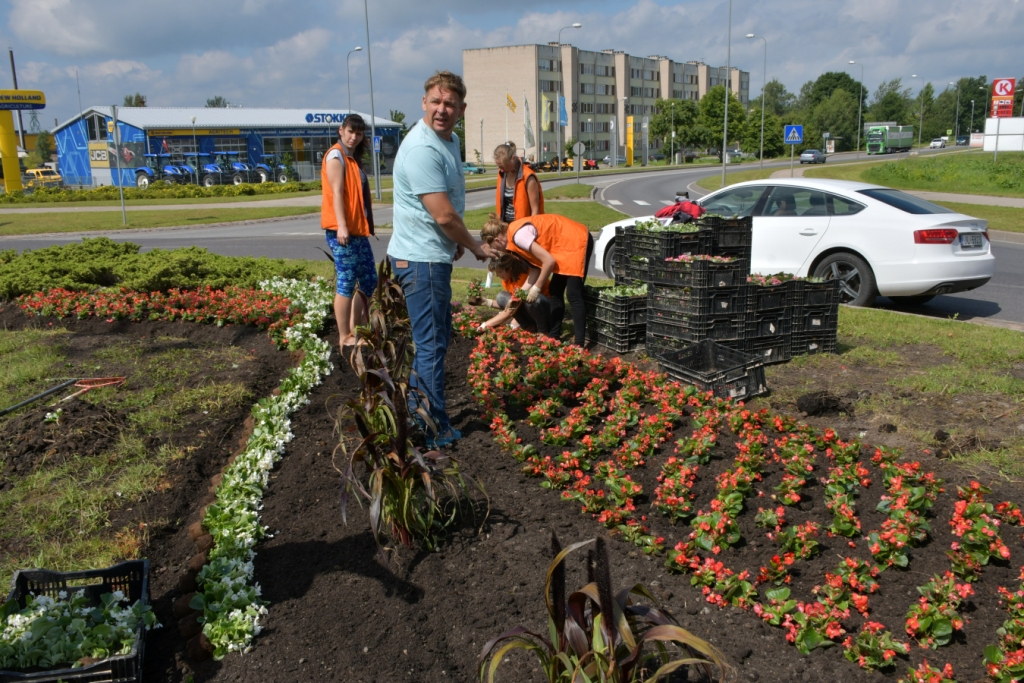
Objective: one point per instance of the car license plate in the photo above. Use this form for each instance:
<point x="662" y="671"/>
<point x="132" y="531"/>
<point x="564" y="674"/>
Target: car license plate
<point x="971" y="240"/>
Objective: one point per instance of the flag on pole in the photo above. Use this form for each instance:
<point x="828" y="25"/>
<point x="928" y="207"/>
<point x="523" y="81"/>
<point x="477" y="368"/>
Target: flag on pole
<point x="563" y="118"/>
<point x="545" y="112"/>
<point x="528" y="133"/>
<point x="510" y="103"/>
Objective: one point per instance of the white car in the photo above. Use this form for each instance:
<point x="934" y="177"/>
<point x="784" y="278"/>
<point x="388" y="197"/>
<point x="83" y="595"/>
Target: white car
<point x="875" y="239"/>
<point x="937" y="143"/>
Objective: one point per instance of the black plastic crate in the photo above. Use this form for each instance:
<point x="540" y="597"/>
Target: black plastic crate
<point x="811" y="343"/>
<point x="727" y="372"/>
<point x="132" y="578"/>
<point x="771" y="297"/>
<point x="816" y="319"/>
<point x="635" y="269"/>
<point x="816" y="293"/>
<point x="772" y="349"/>
<point x="620" y="339"/>
<point x="697" y="300"/>
<point x="658" y="246"/>
<point x="697" y="328"/>
<point x="727" y="235"/>
<point x="768" y="323"/>
<point x="698" y="273"/>
<point x="620" y="310"/>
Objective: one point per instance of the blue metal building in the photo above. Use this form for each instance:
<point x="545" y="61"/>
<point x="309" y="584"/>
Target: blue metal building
<point x="86" y="151"/>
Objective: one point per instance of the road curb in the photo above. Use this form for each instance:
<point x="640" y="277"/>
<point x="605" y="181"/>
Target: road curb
<point x="989" y="322"/>
<point x="1003" y="236"/>
<point x="118" y="231"/>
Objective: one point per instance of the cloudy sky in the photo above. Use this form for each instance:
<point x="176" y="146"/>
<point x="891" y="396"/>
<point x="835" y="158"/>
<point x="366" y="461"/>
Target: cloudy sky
<point x="281" y="53"/>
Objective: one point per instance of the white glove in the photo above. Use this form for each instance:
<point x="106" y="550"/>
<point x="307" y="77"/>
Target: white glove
<point x="483" y="326"/>
<point x="514" y="324"/>
<point x="532" y="295"/>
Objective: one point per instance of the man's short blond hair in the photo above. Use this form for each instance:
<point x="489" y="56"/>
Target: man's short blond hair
<point x="446" y="80"/>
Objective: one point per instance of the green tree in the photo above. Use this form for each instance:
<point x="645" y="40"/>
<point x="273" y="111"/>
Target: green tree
<point x="399" y="117"/>
<point x="685" y="119"/>
<point x="805" y="99"/>
<point x="837" y="116"/>
<point x="773" y="143"/>
<point x="1018" y="98"/>
<point x="136" y="100"/>
<point x="891" y="102"/>
<point x="777" y="99"/>
<point x="44" y="145"/>
<point x="922" y="108"/>
<point x="460" y="130"/>
<point x="712" y="115"/>
<point x="831" y="81"/>
<point x="971" y="88"/>
<point x="217" y="102"/>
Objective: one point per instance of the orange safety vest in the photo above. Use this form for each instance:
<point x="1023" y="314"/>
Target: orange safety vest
<point x="520" y="199"/>
<point x="355" y="211"/>
<point x="563" y="238"/>
<point x="511" y="287"/>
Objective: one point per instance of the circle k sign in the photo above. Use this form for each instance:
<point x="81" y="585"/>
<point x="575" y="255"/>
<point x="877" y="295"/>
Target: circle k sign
<point x="1003" y="87"/>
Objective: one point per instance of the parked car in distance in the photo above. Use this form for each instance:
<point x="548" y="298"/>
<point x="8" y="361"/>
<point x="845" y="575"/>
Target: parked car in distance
<point x="43" y="177"/>
<point x="620" y="160"/>
<point x="470" y="167"/>
<point x="937" y="143"/>
<point x="812" y="156"/>
<point x="876" y="240"/>
<point x="963" y="140"/>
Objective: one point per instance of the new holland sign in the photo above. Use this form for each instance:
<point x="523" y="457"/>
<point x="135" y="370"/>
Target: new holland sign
<point x="22" y="99"/>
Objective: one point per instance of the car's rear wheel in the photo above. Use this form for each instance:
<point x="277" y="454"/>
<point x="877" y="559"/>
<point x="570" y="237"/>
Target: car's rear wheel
<point x="609" y="260"/>
<point x="856" y="280"/>
<point x="919" y="300"/>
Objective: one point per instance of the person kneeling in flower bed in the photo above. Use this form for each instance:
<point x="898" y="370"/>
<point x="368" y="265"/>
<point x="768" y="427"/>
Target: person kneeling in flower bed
<point x="532" y="316"/>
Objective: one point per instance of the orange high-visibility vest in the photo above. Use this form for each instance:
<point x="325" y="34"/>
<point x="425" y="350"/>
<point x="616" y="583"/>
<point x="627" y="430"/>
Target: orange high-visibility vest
<point x="511" y="287"/>
<point x="354" y="209"/>
<point x="520" y="200"/>
<point x="563" y="238"/>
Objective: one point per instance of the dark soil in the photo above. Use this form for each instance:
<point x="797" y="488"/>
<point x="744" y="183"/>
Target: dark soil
<point x="338" y="612"/>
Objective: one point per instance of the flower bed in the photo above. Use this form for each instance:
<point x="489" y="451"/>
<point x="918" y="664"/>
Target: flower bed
<point x="842" y="521"/>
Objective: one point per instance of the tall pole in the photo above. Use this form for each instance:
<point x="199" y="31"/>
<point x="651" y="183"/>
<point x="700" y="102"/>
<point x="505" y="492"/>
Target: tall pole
<point x="561" y="96"/>
<point x="971" y="131"/>
<point x="764" y="82"/>
<point x="482" y="140"/>
<point x="195" y="145"/>
<point x="78" y="85"/>
<point x="956" y="127"/>
<point x="373" y="115"/>
<point x="920" y="125"/>
<point x="672" y="135"/>
<point x="728" y="84"/>
<point x="348" y="81"/>
<point x="14" y="77"/>
<point x="117" y="160"/>
<point x="860" y="105"/>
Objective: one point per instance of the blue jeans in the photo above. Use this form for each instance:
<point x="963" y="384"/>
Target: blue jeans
<point x="428" y="297"/>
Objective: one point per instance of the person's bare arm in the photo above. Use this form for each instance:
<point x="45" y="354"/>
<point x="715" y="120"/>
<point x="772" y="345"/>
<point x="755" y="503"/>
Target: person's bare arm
<point x="502" y="317"/>
<point x="547" y="264"/>
<point x="441" y="210"/>
<point x="533" y="194"/>
<point x="336" y="181"/>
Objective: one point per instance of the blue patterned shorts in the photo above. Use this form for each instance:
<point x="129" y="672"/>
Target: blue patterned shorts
<point x="353" y="264"/>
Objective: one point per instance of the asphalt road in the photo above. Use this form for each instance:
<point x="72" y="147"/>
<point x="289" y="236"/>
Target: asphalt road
<point x="638" y="194"/>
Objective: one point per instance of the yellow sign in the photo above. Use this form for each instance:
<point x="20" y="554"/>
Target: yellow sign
<point x="22" y="99"/>
<point x="171" y="132"/>
<point x="99" y="155"/>
<point x="629" y="141"/>
<point x="510" y="103"/>
<point x="110" y="126"/>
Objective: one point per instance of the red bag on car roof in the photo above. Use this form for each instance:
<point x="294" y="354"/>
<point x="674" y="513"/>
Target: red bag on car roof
<point x="686" y="206"/>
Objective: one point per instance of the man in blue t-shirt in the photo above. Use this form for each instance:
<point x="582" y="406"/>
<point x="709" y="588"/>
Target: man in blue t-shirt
<point x="429" y="199"/>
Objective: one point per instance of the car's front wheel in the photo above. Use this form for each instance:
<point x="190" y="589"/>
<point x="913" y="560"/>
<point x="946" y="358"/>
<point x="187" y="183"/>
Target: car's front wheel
<point x="609" y="260"/>
<point x="856" y="280"/>
<point x="919" y="300"/>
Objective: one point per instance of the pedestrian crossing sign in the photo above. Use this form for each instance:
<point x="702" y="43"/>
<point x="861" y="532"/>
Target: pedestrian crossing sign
<point x="794" y="135"/>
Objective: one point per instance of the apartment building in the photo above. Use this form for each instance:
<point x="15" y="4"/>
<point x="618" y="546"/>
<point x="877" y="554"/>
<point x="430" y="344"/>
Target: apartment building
<point x="600" y="88"/>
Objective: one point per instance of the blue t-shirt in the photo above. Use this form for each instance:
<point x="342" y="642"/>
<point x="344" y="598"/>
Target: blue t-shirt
<point x="425" y="164"/>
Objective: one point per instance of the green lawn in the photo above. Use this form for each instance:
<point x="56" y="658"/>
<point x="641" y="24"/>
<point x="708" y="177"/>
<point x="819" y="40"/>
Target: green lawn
<point x="164" y="201"/>
<point x="1005" y="218"/>
<point x="715" y="182"/>
<point x="591" y="214"/>
<point x="36" y="223"/>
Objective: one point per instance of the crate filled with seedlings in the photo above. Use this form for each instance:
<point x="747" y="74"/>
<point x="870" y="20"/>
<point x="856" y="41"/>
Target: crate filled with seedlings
<point x="617" y="338"/>
<point x="620" y="305"/>
<point x="726" y="236"/>
<point x="656" y="241"/>
<point x="82" y="627"/>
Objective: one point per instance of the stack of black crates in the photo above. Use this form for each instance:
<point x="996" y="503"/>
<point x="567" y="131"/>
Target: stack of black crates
<point x="708" y="302"/>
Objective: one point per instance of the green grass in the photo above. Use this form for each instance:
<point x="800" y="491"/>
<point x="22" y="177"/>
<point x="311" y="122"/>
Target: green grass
<point x="36" y="223"/>
<point x="574" y="191"/>
<point x="165" y="201"/>
<point x="853" y="171"/>
<point x="1007" y="218"/>
<point x="715" y="182"/>
<point x="591" y="214"/>
<point x="27" y="357"/>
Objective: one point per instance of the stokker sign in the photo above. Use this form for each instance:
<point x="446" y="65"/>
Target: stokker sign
<point x="1002" y="97"/>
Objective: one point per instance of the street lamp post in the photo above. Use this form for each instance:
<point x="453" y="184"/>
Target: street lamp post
<point x="593" y="136"/>
<point x="348" y="83"/>
<point x="373" y="116"/>
<point x="764" y="82"/>
<point x="615" y="152"/>
<point x="195" y="145"/>
<point x="860" y="105"/>
<point x="728" y="83"/>
<point x="971" y="131"/>
<point x="482" y="139"/>
<point x="956" y="127"/>
<point x="561" y="96"/>
<point x="920" y="124"/>
<point x="672" y="134"/>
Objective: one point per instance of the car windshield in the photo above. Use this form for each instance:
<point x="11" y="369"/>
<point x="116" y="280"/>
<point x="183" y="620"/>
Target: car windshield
<point x="905" y="202"/>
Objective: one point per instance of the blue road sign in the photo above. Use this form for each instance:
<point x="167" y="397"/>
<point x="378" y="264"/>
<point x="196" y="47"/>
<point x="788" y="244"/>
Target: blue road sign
<point x="376" y="144"/>
<point x="793" y="135"/>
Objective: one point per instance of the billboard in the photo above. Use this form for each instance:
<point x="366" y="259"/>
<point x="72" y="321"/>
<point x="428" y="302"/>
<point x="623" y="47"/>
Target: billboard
<point x="1002" y="97"/>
